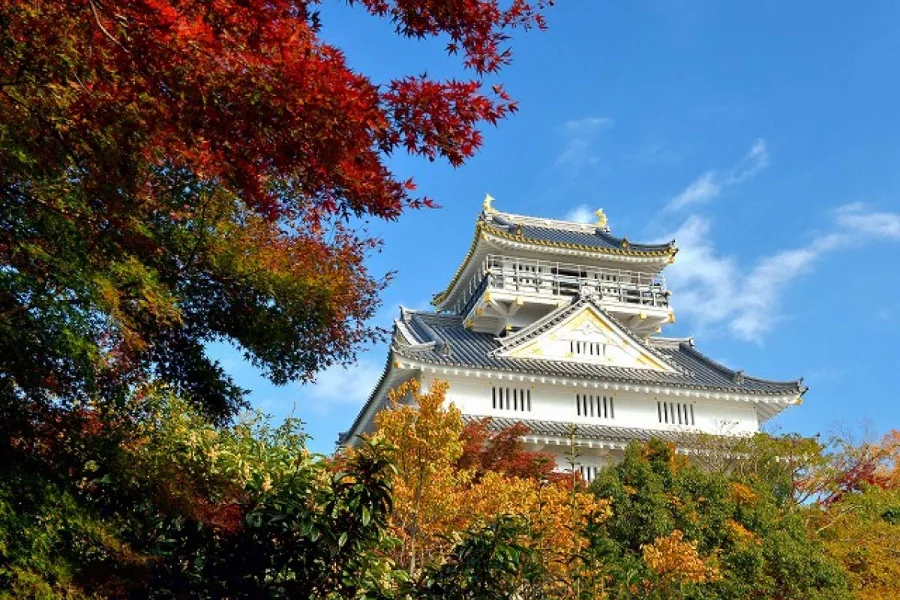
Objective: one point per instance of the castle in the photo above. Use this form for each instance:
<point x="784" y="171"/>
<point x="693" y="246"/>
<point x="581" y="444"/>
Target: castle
<point x="555" y="323"/>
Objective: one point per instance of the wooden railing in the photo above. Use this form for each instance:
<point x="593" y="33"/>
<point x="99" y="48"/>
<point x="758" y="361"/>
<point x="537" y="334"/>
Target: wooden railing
<point x="541" y="277"/>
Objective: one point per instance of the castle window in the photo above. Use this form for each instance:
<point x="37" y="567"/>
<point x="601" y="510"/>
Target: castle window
<point x="598" y="407"/>
<point x="588" y="472"/>
<point x="579" y="348"/>
<point x="675" y="413"/>
<point x="511" y="399"/>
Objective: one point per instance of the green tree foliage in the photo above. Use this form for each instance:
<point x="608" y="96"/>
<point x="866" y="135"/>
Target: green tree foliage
<point x="679" y="531"/>
<point x="487" y="562"/>
<point x="183" y="509"/>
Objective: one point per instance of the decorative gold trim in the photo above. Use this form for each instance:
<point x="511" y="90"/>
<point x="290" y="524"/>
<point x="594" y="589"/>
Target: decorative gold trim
<point x="625" y="251"/>
<point x="479" y="233"/>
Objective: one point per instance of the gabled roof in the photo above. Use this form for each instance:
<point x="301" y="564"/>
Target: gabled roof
<point x="558" y="316"/>
<point x="552" y="234"/>
<point x="457" y="346"/>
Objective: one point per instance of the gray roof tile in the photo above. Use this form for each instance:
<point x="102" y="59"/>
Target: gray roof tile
<point x="607" y="433"/>
<point x="476" y="350"/>
<point x="594" y="238"/>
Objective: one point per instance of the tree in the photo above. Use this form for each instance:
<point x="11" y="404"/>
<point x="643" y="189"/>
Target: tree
<point x="439" y="506"/>
<point x="502" y="451"/>
<point x="858" y="513"/>
<point x="861" y="531"/>
<point x="427" y="489"/>
<point x="184" y="509"/>
<point x="489" y="562"/>
<point x="174" y="172"/>
<point x="678" y="531"/>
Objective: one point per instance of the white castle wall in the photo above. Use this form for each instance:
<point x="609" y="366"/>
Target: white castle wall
<point x="557" y="403"/>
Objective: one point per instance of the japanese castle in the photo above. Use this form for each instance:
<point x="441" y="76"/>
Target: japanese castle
<point x="555" y="323"/>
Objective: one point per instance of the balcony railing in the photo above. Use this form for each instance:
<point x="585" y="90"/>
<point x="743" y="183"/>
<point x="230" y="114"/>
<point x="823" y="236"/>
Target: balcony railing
<point x="547" y="278"/>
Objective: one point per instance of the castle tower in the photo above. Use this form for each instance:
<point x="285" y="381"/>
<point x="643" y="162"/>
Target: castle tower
<point x="554" y="324"/>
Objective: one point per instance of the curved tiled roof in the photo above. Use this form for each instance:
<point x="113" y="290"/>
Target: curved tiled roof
<point x="457" y="346"/>
<point x="443" y="340"/>
<point x="569" y="234"/>
<point x="561" y="429"/>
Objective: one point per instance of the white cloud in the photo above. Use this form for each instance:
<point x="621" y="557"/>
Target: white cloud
<point x="341" y="388"/>
<point x="856" y="217"/>
<point x="580" y="135"/>
<point x="580" y="214"/>
<point x="713" y="290"/>
<point x="703" y="282"/>
<point x="753" y="162"/>
<point x="711" y="184"/>
<point x="762" y="288"/>
<point x="702" y="190"/>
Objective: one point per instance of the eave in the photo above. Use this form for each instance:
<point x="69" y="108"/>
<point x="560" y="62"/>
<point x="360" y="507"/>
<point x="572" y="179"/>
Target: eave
<point x="610" y="384"/>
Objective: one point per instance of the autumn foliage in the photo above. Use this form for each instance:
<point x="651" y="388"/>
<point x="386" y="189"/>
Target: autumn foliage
<point x="444" y="487"/>
<point x="176" y="172"/>
<point x="857" y="515"/>
<point x="503" y="451"/>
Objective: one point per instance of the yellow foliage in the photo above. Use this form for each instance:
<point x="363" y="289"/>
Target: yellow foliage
<point x="433" y="499"/>
<point x="742" y="494"/>
<point x="742" y="534"/>
<point x="427" y="487"/>
<point x="861" y="534"/>
<point x="557" y="516"/>
<point x="676" y="560"/>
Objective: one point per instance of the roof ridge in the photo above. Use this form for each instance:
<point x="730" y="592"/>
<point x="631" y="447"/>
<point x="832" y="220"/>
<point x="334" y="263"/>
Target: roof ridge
<point x="734" y="373"/>
<point x="508" y="220"/>
<point x="553" y="315"/>
<point x="547" y="222"/>
<point x="411" y="340"/>
<point x="669" y="342"/>
<point x="430" y="313"/>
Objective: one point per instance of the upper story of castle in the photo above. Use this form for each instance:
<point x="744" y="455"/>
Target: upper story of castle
<point x="519" y="269"/>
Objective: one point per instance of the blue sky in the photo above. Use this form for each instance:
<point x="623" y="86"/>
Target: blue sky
<point x="763" y="136"/>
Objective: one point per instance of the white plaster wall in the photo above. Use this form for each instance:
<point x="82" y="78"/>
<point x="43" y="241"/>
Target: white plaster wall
<point x="557" y="403"/>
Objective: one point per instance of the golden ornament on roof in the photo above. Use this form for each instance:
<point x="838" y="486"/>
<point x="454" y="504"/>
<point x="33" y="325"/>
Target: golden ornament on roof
<point x="602" y="221"/>
<point x="486" y="205"/>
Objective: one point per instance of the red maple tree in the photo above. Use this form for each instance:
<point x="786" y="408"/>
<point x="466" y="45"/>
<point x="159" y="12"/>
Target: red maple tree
<point x="503" y="451"/>
<point x="179" y="171"/>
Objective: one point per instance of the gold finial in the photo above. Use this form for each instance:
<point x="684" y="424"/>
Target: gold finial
<point x="486" y="205"/>
<point x="602" y="221"/>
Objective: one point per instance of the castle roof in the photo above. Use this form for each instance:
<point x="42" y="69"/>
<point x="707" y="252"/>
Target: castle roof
<point x="606" y="433"/>
<point x="567" y="234"/>
<point x="443" y="340"/>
